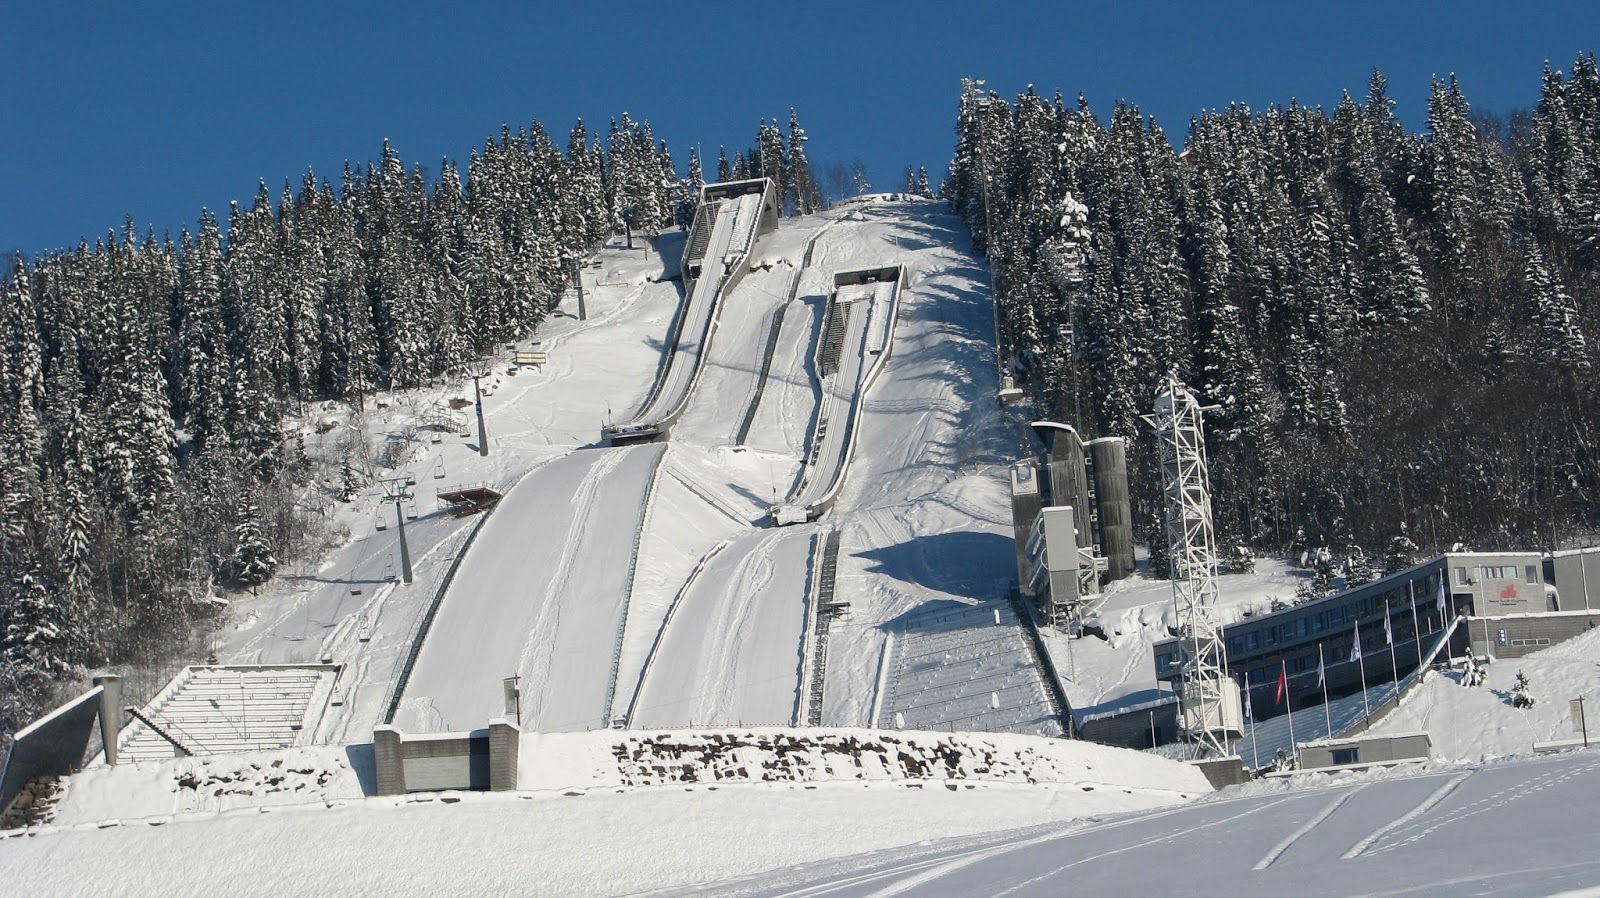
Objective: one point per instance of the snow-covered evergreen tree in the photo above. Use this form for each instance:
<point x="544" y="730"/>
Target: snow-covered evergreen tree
<point x="1522" y="692"/>
<point x="252" y="563"/>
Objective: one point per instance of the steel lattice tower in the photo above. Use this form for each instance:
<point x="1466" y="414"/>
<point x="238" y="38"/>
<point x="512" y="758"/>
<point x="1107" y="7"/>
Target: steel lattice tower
<point x="1209" y="695"/>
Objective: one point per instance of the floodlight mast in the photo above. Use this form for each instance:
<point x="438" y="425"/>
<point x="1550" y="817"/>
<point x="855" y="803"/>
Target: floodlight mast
<point x="1209" y="697"/>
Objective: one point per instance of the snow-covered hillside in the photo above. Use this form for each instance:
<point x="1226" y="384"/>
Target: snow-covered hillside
<point x="1473" y="722"/>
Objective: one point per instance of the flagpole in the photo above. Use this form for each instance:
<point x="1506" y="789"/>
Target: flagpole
<point x="1322" y="680"/>
<point x="1255" y="753"/>
<point x="1362" y="661"/>
<point x="1394" y="659"/>
<point x="1288" y="702"/>
<point x="1416" y="629"/>
<point x="1442" y="622"/>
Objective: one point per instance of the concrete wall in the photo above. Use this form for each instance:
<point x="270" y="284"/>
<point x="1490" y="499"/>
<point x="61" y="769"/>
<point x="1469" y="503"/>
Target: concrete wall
<point x="53" y="745"/>
<point x="1131" y="728"/>
<point x="1498" y="582"/>
<point x="1577" y="578"/>
<point x="1514" y="636"/>
<point x="481" y="760"/>
<point x="505" y="742"/>
<point x="1222" y="772"/>
<point x="1024" y="510"/>
<point x="1368" y="750"/>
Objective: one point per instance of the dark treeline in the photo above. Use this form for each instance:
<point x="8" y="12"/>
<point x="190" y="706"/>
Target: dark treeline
<point x="145" y="381"/>
<point x="1396" y="328"/>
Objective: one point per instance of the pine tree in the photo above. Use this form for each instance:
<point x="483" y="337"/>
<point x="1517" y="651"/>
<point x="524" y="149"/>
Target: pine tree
<point x="1400" y="553"/>
<point x="1522" y="692"/>
<point x="1554" y="314"/>
<point x="805" y="197"/>
<point x="252" y="562"/>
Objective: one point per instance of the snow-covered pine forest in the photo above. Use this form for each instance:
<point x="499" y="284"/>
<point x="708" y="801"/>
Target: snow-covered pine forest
<point x="147" y="460"/>
<point x="1398" y="328"/>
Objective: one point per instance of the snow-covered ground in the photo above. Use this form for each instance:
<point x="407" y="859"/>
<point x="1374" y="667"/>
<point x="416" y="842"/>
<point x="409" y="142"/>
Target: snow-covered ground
<point x="710" y="626"/>
<point x="350" y="607"/>
<point x="1117" y="671"/>
<point x="1480" y="722"/>
<point x="1522" y="828"/>
<point x="588" y="820"/>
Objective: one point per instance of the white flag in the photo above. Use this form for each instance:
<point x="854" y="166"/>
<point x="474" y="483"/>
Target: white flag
<point x="1388" y="629"/>
<point x="1355" y="647"/>
<point x="1322" y="674"/>
<point x="1441" y="599"/>
<point x="1247" y="714"/>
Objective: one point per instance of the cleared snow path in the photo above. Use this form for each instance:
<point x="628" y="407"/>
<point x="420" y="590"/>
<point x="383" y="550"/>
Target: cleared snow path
<point x="542" y="595"/>
<point x="731" y="652"/>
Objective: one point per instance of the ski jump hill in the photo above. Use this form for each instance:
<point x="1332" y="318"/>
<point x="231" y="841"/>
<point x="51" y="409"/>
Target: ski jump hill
<point x="643" y="585"/>
<point x="841" y="690"/>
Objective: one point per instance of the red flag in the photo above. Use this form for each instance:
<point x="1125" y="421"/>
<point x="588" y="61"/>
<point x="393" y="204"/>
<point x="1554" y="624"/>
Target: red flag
<point x="1283" y="683"/>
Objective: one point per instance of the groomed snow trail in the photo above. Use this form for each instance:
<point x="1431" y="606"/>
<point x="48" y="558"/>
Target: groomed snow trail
<point x="731" y="652"/>
<point x="541" y="596"/>
<point x="1512" y="829"/>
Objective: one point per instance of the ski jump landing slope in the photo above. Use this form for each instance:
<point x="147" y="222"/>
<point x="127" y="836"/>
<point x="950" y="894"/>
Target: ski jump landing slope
<point x="734" y="226"/>
<point x="542" y="596"/>
<point x="853" y="349"/>
<point x="731" y="651"/>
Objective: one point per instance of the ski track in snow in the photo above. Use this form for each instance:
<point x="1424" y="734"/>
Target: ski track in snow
<point x="532" y="663"/>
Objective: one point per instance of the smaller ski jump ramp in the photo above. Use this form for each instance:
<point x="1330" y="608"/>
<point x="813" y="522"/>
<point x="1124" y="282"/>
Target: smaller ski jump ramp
<point x="732" y="650"/>
<point x="731" y="216"/>
<point x="858" y="331"/>
<point x="541" y="595"/>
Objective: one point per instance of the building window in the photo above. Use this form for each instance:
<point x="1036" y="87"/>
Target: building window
<point x="1461" y="576"/>
<point x="1346" y="756"/>
<point x="1532" y="573"/>
<point x="1286" y="632"/>
<point x="1335" y="617"/>
<point x="1497" y="572"/>
<point x="1318" y="623"/>
<point x="1252" y="640"/>
<point x="1236" y="644"/>
<point x="1269" y="636"/>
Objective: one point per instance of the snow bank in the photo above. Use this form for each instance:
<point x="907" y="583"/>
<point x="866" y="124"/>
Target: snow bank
<point x="575" y="761"/>
<point x="599" y="843"/>
<point x="208" y="785"/>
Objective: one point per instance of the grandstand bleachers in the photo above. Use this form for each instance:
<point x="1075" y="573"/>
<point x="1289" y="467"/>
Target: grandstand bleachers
<point x="217" y="710"/>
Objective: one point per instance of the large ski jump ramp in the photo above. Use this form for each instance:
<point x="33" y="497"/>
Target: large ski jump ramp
<point x="732" y="215"/>
<point x="541" y="595"/>
<point x="857" y="334"/>
<point x="731" y="650"/>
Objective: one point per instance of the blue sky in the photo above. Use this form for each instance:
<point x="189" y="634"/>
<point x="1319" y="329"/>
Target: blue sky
<point x="159" y="109"/>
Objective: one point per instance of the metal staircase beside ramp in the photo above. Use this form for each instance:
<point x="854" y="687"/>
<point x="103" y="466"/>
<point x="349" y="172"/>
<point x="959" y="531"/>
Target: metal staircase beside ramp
<point x="159" y="730"/>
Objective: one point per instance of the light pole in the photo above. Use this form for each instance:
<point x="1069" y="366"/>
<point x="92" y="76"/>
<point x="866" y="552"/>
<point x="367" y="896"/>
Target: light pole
<point x="577" y="280"/>
<point x="398" y="494"/>
<point x="483" y="433"/>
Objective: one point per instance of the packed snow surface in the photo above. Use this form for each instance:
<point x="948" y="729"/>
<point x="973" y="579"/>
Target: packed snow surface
<point x="1514" y="829"/>
<point x="1475" y="722"/>
<point x="589" y="823"/>
<point x="541" y="595"/>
